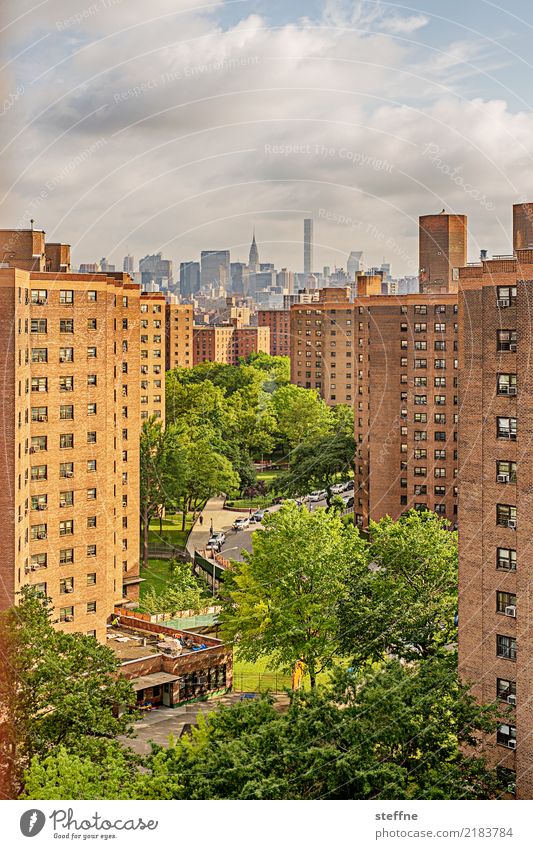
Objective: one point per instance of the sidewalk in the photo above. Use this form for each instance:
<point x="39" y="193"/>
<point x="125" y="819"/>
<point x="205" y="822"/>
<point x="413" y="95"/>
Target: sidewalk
<point x="222" y="521"/>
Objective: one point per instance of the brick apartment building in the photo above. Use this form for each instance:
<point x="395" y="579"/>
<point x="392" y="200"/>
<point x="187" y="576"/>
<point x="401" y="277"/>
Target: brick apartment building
<point x="322" y="346"/>
<point x="279" y="322"/>
<point x="229" y="343"/>
<point x="495" y="501"/>
<point x="152" y="339"/>
<point x="69" y="354"/>
<point x="179" y="351"/>
<point x="442" y="250"/>
<point x="406" y="407"/>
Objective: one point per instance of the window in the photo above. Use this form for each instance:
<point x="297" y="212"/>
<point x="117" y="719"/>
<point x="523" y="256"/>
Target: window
<point x="506" y="736"/>
<point x="91" y="551"/>
<point x="419" y="363"/>
<point x="506" y="384"/>
<point x="66" y="470"/>
<point x="39" y="414"/>
<point x="439" y="382"/>
<point x="440" y="327"/>
<point x="91" y="352"/>
<point x="66" y="499"/>
<point x="39" y="355"/>
<point x="91" y="409"/>
<point x="420" y="471"/>
<point x="91" y="380"/>
<point x="91" y="296"/>
<point x="66" y="411"/>
<point x="38" y="473"/>
<point x="91" y="324"/>
<point x="506" y="428"/>
<point x="91" y="521"/>
<point x="420" y="435"/>
<point x="420" y="345"/>
<point x="66" y="585"/>
<point x="66" y="355"/>
<point x="91" y="465"/>
<point x="440" y="418"/>
<point x="506" y="559"/>
<point x="66" y="383"/>
<point x="419" y="327"/>
<point x="506" y="296"/>
<point x="39" y="297"/>
<point x="421" y="309"/>
<point x="506" y="515"/>
<point x="39" y="502"/>
<point x="506" y="779"/>
<point x="38" y="443"/>
<point x="39" y="384"/>
<point x="440" y="364"/>
<point x="504" y="689"/>
<point x="66" y="296"/>
<point x="506" y="603"/>
<point x="66" y="440"/>
<point x="420" y="453"/>
<point x="66" y="528"/>
<point x="506" y="340"/>
<point x="440" y="436"/>
<point x="66" y="614"/>
<point x="505" y="471"/>
<point x="440" y="309"/>
<point x="91" y="437"/>
<point x="66" y="325"/>
<point x="91" y="579"/>
<point x="91" y="494"/>
<point x="440" y="472"/>
<point x="38" y="531"/>
<point x="421" y="399"/>
<point x="420" y="489"/>
<point x="38" y="561"/>
<point x="439" y="454"/>
<point x="38" y="325"/>
<point x="421" y="417"/>
<point x="505" y="647"/>
<point x="439" y="491"/>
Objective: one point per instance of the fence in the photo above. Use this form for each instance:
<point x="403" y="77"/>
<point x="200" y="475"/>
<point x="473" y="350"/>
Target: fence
<point x="260" y="682"/>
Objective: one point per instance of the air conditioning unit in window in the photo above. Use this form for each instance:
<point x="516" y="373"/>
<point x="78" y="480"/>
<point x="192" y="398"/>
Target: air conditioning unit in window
<point x="503" y="389"/>
<point x="511" y="699"/>
<point x="511" y="523"/>
<point x="69" y="590"/>
<point x="41" y="302"/>
<point x="511" y="744"/>
<point x="502" y="478"/>
<point x="503" y="302"/>
<point x="512" y="347"/>
<point x="69" y="618"/>
<point x="512" y="390"/>
<point x="69" y="474"/>
<point x="42" y="418"/>
<point x="510" y="610"/>
<point x="41" y="535"/>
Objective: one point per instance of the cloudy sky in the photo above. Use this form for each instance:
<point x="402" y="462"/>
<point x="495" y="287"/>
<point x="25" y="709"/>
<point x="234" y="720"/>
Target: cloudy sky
<point x="179" y="125"/>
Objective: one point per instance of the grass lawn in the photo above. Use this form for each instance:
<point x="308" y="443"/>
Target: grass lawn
<point x="156" y="576"/>
<point x="268" y="476"/>
<point x="245" y="503"/>
<point x="172" y="532"/>
<point x="258" y="677"/>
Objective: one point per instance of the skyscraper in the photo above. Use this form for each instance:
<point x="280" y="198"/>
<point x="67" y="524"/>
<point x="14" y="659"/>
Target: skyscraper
<point x="128" y="264"/>
<point x="215" y="268"/>
<point x="154" y="268"/>
<point x="308" y="245"/>
<point x="355" y="264"/>
<point x="522" y="226"/>
<point x="189" y="278"/>
<point x="253" y="260"/>
<point x="442" y="250"/>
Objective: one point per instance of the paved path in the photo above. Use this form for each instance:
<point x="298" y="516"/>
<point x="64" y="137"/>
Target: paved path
<point x="213" y="513"/>
<point x="159" y="724"/>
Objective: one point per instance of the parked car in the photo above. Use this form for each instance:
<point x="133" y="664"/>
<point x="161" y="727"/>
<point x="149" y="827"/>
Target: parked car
<point x="258" y="516"/>
<point x="241" y="523"/>
<point x="349" y="501"/>
<point x="349" y="485"/>
<point x="318" y="495"/>
<point x="337" y="488"/>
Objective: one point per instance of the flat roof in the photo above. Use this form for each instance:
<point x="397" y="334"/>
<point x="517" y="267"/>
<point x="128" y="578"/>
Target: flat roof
<point x="153" y="679"/>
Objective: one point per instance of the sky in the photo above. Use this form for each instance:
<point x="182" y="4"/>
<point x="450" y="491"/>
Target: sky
<point x="180" y="125"/>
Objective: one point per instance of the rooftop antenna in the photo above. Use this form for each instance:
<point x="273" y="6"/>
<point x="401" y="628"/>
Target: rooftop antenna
<point x="32" y="222"/>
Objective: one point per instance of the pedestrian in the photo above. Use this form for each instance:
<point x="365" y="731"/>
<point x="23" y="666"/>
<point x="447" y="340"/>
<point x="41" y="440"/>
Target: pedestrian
<point x="201" y="519"/>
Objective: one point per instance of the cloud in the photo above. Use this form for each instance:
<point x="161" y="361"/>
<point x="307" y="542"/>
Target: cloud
<point x="404" y="25"/>
<point x="167" y="129"/>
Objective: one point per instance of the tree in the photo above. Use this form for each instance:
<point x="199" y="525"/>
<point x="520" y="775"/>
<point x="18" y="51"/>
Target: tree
<point x="301" y="414"/>
<point x="60" y="689"/>
<point x="208" y="473"/>
<point x="317" y="463"/>
<point x="162" y="473"/>
<point x="404" y="602"/>
<point x="282" y="601"/>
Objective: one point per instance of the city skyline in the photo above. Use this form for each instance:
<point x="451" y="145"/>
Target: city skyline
<point x="199" y="148"/>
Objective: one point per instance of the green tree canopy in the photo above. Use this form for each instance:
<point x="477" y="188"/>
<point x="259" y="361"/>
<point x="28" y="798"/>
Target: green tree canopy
<point x="282" y="601"/>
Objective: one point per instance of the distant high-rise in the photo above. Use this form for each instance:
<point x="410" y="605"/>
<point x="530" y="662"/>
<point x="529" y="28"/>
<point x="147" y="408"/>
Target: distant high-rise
<point x="442" y="250"/>
<point x="155" y="269"/>
<point x="215" y="268"/>
<point x="105" y="266"/>
<point x="128" y="264"/>
<point x="308" y="245"/>
<point x="522" y="226"/>
<point x="189" y="278"/>
<point x="253" y="260"/>
<point x="240" y="278"/>
<point x="355" y="264"/>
